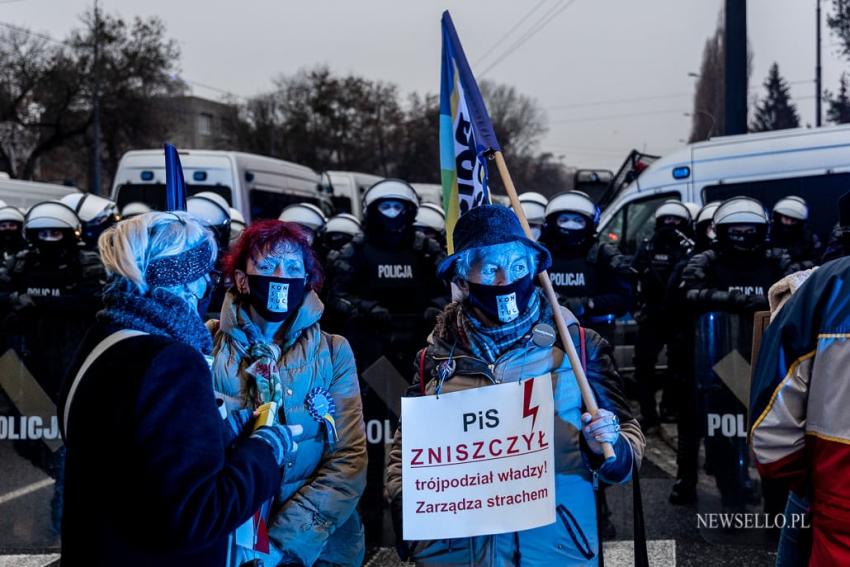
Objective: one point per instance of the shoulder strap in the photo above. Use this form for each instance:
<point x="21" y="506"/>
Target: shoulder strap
<point x="101" y="347"/>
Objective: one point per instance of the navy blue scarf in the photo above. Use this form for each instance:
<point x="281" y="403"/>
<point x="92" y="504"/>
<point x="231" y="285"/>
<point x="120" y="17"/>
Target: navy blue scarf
<point x="158" y="313"/>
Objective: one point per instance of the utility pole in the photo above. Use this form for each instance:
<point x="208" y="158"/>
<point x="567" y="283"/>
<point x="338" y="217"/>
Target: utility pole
<point x="95" y="150"/>
<point x="735" y="67"/>
<point x="818" y="88"/>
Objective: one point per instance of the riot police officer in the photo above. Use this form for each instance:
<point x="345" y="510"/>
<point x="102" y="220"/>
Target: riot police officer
<point x="337" y="232"/>
<point x="534" y="206"/>
<point x="431" y="222"/>
<point x="654" y="262"/>
<point x="96" y="214"/>
<point x="591" y="278"/>
<point x="134" y="208"/>
<point x="789" y="231"/>
<point x="214" y="213"/>
<point x="724" y="286"/>
<point x="704" y="233"/>
<point x="237" y="225"/>
<point x="383" y="285"/>
<point x="680" y="360"/>
<point x="307" y="215"/>
<point x="11" y="231"/>
<point x="52" y="290"/>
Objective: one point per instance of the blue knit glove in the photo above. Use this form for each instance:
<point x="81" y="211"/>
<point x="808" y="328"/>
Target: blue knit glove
<point x="280" y="438"/>
<point x="235" y="424"/>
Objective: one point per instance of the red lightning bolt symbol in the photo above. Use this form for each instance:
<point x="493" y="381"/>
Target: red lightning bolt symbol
<point x="526" y="402"/>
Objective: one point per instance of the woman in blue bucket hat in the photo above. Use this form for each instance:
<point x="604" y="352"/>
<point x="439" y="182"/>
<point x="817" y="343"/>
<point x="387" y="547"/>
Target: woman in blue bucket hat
<point x="500" y="329"/>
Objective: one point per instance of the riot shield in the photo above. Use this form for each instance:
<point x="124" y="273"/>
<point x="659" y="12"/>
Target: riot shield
<point x="722" y="353"/>
<point x="31" y="459"/>
<point x="384" y="354"/>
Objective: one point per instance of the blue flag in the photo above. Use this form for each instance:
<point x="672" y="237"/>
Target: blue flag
<point x="466" y="133"/>
<point x="175" y="185"/>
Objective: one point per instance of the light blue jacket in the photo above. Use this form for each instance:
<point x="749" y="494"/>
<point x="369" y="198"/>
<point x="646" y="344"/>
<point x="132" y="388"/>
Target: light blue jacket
<point x="314" y="516"/>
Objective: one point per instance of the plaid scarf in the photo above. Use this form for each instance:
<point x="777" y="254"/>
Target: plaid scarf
<point x="488" y="343"/>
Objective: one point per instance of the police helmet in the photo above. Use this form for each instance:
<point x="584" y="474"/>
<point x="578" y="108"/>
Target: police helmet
<point x="740" y="210"/>
<point x="91" y="208"/>
<point x="54" y="215"/>
<point x="673" y="208"/>
<point x="390" y="189"/>
<point x="792" y="207"/>
<point x="431" y="216"/>
<point x="9" y="213"/>
<point x="210" y="208"/>
<point x="573" y="202"/>
<point x="693" y="208"/>
<point x="706" y="214"/>
<point x="305" y="214"/>
<point x="343" y="223"/>
<point x="237" y="224"/>
<point x="534" y="206"/>
<point x="134" y="209"/>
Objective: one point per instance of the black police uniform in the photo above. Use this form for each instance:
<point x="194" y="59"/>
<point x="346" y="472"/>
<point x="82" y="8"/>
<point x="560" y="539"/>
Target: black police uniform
<point x="802" y="246"/>
<point x="732" y="282"/>
<point x="655" y="262"/>
<point x="51" y="300"/>
<point x="384" y="292"/>
<point x="592" y="280"/>
<point x="680" y="360"/>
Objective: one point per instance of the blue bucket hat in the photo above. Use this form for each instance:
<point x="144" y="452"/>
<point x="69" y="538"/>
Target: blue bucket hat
<point x="489" y="225"/>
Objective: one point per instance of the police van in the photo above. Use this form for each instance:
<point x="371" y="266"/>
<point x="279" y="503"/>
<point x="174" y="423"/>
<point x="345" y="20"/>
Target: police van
<point x="257" y="186"/>
<point x="346" y="190"/>
<point x="25" y="194"/>
<point x="811" y="163"/>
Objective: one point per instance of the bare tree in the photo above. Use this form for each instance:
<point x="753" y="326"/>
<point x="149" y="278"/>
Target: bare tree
<point x="708" y="114"/>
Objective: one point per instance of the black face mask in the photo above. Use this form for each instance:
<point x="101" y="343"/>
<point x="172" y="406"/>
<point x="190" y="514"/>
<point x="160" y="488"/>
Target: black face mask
<point x="55" y="249"/>
<point x="11" y="240"/>
<point x="276" y="299"/>
<point x="745" y="243"/>
<point x="502" y="303"/>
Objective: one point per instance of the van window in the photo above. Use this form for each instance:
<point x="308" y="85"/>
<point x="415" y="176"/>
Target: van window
<point x="633" y="223"/>
<point x="341" y="204"/>
<point x="153" y="194"/>
<point x="269" y="204"/>
<point x="821" y="192"/>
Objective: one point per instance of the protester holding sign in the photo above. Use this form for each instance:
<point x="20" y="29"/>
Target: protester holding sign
<point x="499" y="333"/>
<point x="269" y="348"/>
<point x="153" y="475"/>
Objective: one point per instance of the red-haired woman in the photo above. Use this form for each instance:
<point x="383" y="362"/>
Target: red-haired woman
<point x="269" y="347"/>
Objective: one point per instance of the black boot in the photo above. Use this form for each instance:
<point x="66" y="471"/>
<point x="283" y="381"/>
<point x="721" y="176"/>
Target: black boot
<point x="684" y="493"/>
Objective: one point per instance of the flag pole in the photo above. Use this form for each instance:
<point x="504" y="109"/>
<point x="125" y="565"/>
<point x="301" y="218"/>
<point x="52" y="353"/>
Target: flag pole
<point x="581" y="378"/>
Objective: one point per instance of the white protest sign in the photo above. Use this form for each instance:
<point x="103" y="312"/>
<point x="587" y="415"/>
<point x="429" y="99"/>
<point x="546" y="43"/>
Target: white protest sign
<point x="479" y="461"/>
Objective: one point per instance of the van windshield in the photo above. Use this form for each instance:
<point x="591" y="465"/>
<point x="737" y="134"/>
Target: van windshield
<point x="153" y="194"/>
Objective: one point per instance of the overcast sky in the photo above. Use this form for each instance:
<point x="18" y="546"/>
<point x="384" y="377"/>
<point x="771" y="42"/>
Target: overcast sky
<point x="611" y="74"/>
